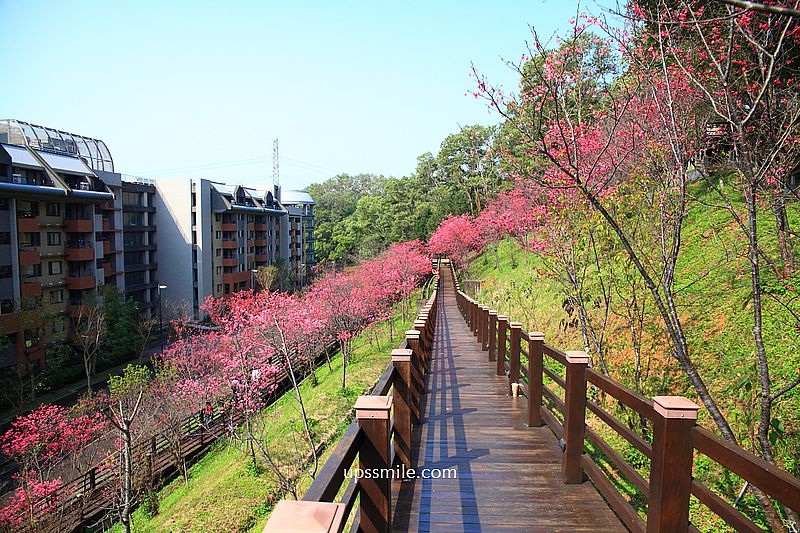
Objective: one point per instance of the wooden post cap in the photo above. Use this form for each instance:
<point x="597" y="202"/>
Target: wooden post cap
<point x="502" y="317"/>
<point x="412" y="334"/>
<point x="492" y="312"/>
<point x="515" y="325"/>
<point x="373" y="407"/>
<point x="401" y="354"/>
<point x="536" y="335"/>
<point x="577" y="357"/>
<point x="675" y="407"/>
<point x="419" y="322"/>
<point x="291" y="516"/>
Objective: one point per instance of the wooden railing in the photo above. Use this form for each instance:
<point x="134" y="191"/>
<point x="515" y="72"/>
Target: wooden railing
<point x="672" y="421"/>
<point x="379" y="438"/>
<point x="86" y="498"/>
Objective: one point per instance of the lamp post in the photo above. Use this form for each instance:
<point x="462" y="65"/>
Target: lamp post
<point x="253" y="280"/>
<point x="161" y="317"/>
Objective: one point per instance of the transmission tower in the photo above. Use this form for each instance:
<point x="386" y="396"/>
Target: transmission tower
<point x="276" y="165"/>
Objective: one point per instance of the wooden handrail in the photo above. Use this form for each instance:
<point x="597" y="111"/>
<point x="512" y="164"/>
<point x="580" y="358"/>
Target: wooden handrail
<point x="369" y="438"/>
<point x="675" y="435"/>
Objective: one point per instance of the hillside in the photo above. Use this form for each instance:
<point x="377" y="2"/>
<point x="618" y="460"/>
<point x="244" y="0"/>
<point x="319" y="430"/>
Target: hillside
<point x="715" y="305"/>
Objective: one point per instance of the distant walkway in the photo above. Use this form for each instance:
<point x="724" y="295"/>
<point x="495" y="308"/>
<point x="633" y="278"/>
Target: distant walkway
<point x="508" y="474"/>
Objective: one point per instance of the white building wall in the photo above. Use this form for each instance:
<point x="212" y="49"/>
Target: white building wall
<point x="173" y="202"/>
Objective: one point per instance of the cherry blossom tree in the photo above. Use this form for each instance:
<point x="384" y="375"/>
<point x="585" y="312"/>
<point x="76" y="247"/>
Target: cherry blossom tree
<point x="38" y="442"/>
<point x="458" y="238"/>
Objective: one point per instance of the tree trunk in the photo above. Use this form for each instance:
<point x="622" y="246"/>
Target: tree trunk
<point x="765" y="392"/>
<point x="127" y="478"/>
<point x="783" y="233"/>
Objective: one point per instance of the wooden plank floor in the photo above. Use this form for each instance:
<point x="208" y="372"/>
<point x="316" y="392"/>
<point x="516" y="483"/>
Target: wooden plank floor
<point x="508" y="475"/>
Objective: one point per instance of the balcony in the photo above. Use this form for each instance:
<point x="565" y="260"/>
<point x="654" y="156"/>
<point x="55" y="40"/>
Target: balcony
<point x="9" y="323"/>
<point x="79" y="225"/>
<point x="30" y="289"/>
<point x="230" y="226"/>
<point x="107" y="269"/>
<point x="230" y="244"/>
<point x="236" y="277"/>
<point x="27" y="224"/>
<point x="81" y="280"/>
<point x="107" y="224"/>
<point x="261" y="242"/>
<point x="261" y="258"/>
<point x="230" y="261"/>
<point x="260" y="227"/>
<point x="79" y="251"/>
<point x="30" y="257"/>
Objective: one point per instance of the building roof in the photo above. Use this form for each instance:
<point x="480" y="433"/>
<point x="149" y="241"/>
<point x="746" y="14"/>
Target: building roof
<point x="20" y="156"/>
<point x="296" y="197"/>
<point x="94" y="152"/>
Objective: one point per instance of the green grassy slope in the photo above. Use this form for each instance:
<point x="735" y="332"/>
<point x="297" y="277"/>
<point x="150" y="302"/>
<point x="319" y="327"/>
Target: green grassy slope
<point x="715" y="305"/>
<point x="223" y="493"/>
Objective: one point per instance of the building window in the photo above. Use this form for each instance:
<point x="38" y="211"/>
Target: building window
<point x="31" y="239"/>
<point x="134" y="278"/>
<point x="219" y="287"/>
<point x="57" y="296"/>
<point x="219" y="270"/>
<point x="132" y="199"/>
<point x="217" y="217"/>
<point x="53" y="238"/>
<point x="227" y="288"/>
<point x="134" y="239"/>
<point x="134" y="258"/>
<point x="133" y="219"/>
<point x="55" y="267"/>
<point x="219" y="235"/>
<point x="58" y="325"/>
<point x="53" y="209"/>
<point x="219" y="252"/>
<point x="36" y="270"/>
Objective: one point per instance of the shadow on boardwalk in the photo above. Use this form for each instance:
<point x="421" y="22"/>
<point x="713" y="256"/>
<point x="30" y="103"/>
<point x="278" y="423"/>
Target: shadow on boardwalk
<point x="507" y="475"/>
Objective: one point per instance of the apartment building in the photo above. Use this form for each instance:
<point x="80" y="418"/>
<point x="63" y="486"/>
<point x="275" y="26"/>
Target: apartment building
<point x="67" y="223"/>
<point x="300" y="207"/>
<point x="214" y="236"/>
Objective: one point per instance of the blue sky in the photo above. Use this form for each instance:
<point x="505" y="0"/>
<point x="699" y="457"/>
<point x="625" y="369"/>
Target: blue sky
<point x="200" y="89"/>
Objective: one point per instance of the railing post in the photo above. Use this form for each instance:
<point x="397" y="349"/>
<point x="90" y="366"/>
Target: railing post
<point x="574" y="416"/>
<point x="419" y="325"/>
<point x="93" y="478"/>
<point x="671" y="466"/>
<point x="502" y="324"/>
<point x="417" y="379"/>
<point x="290" y="516"/>
<point x="401" y="403"/>
<point x="149" y="470"/>
<point x="480" y="327"/>
<point x="476" y="319"/>
<point x="372" y="413"/>
<point x="513" y="356"/>
<point x="492" y="335"/>
<point x="485" y="327"/>
<point x="535" y="364"/>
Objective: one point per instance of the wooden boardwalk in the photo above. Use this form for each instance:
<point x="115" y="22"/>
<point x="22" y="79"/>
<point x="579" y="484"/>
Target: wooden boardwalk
<point x="508" y="474"/>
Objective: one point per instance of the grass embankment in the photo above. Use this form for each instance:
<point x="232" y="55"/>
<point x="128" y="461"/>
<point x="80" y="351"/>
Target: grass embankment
<point x="715" y="305"/>
<point x="223" y="492"/>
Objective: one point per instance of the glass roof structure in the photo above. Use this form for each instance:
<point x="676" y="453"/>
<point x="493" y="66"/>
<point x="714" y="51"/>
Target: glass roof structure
<point x="94" y="152"/>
